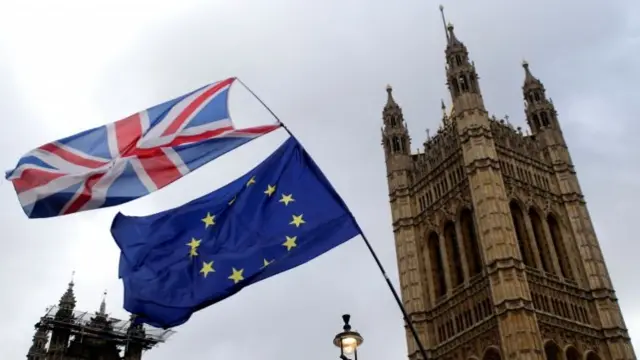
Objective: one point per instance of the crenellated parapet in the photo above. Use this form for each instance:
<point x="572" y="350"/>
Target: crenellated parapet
<point x="511" y="138"/>
<point x="438" y="148"/>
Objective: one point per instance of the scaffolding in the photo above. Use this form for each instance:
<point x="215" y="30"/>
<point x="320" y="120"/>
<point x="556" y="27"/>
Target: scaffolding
<point x="119" y="332"/>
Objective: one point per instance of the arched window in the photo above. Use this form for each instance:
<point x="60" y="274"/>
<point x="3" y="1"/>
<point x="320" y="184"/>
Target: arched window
<point x="464" y="86"/>
<point x="453" y="253"/>
<point x="543" y="244"/>
<point x="396" y="144"/>
<point x="454" y="86"/>
<point x="536" y="121"/>
<point x="470" y="241"/>
<point x="545" y="118"/>
<point x="559" y="246"/>
<point x="437" y="265"/>
<point x="552" y="351"/>
<point x="472" y="83"/>
<point x="491" y="354"/>
<point x="524" y="242"/>
<point x="572" y="354"/>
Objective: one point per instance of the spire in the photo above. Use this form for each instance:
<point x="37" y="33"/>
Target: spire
<point x="392" y="114"/>
<point x="529" y="79"/>
<point x="540" y="112"/>
<point x="66" y="305"/>
<point x="395" y="136"/>
<point x="462" y="78"/>
<point x="68" y="299"/>
<point x="100" y="320"/>
<point x="391" y="102"/>
<point x="103" y="304"/>
<point x="445" y="118"/>
<point x="444" y="23"/>
<point x="452" y="40"/>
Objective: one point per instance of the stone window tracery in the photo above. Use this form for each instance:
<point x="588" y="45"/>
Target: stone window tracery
<point x="453" y="252"/>
<point x="524" y="242"/>
<point x="470" y="241"/>
<point x="437" y="265"/>
<point x="559" y="246"/>
<point x="541" y="241"/>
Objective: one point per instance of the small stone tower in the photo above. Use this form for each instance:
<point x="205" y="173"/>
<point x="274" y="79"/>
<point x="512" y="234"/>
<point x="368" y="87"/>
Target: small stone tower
<point x="80" y="335"/>
<point x="60" y="336"/>
<point x="38" y="350"/>
<point x="497" y="255"/>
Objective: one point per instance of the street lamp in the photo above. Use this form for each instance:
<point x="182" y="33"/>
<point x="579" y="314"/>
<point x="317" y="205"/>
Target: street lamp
<point x="348" y="341"/>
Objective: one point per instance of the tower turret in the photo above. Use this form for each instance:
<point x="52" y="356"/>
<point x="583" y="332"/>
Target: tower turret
<point x="38" y="350"/>
<point x="133" y="349"/>
<point x="462" y="78"/>
<point x="103" y="305"/>
<point x="395" y="136"/>
<point x="500" y="255"/>
<point x="400" y="174"/>
<point x="446" y="119"/>
<point x="539" y="110"/>
<point x="68" y="299"/>
<point x="101" y="319"/>
<point x="60" y="335"/>
<point x="543" y="121"/>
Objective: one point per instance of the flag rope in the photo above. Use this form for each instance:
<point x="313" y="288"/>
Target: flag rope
<point x="416" y="337"/>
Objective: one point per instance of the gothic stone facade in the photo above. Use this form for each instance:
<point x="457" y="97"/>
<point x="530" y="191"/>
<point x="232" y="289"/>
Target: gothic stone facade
<point x="496" y="252"/>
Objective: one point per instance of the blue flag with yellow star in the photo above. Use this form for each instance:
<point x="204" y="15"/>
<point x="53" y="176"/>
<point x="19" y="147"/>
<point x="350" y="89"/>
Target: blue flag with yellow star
<point x="280" y="215"/>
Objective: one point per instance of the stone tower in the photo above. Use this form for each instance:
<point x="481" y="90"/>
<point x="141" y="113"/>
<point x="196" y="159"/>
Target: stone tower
<point x="497" y="255"/>
<point x="80" y="335"/>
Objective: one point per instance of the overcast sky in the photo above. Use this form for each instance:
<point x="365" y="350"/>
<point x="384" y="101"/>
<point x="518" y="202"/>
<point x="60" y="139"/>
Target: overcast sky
<point x="323" y="67"/>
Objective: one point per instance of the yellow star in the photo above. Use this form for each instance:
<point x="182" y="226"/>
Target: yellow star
<point x="266" y="263"/>
<point x="270" y="190"/>
<point x="290" y="243"/>
<point x="209" y="220"/>
<point x="232" y="200"/>
<point x="193" y="244"/>
<point x="297" y="220"/>
<point x="286" y="199"/>
<point x="207" y="267"/>
<point x="251" y="181"/>
<point x="236" y="275"/>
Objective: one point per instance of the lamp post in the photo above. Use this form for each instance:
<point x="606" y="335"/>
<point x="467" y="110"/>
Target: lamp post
<point x="348" y="340"/>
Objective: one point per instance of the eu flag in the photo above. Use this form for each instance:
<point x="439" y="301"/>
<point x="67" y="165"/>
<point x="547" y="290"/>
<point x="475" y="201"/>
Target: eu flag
<point x="280" y="215"/>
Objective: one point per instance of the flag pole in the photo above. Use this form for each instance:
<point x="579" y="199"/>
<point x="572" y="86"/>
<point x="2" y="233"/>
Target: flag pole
<point x="416" y="337"/>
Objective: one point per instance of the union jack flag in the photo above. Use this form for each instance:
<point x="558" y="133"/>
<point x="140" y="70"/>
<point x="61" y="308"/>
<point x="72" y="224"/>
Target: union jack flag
<point x="130" y="158"/>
